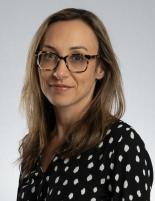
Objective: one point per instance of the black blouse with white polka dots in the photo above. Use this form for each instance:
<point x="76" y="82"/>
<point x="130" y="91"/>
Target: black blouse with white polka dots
<point x="117" y="169"/>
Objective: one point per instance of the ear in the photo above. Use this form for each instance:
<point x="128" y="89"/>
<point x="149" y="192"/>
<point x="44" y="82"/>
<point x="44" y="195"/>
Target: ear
<point x="99" y="72"/>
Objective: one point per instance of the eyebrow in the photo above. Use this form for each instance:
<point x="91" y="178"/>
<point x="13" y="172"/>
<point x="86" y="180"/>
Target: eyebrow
<point x="71" y="48"/>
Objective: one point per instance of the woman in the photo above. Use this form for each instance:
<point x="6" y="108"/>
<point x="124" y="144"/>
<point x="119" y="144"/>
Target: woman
<point x="77" y="148"/>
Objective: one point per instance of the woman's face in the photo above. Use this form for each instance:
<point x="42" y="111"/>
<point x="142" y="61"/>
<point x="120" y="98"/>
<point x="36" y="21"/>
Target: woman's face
<point x="62" y="87"/>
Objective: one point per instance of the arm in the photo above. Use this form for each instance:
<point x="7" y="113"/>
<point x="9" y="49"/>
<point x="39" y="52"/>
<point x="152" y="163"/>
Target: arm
<point x="132" y="176"/>
<point x="29" y="186"/>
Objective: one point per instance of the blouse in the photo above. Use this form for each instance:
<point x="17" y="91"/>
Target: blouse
<point x="118" y="168"/>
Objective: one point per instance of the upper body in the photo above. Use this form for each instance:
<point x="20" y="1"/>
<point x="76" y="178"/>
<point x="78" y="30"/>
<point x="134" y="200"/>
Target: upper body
<point x="73" y="96"/>
<point x="118" y="168"/>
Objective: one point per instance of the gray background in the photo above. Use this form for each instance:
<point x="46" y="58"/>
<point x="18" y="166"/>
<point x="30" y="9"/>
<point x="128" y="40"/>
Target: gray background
<point x="131" y="26"/>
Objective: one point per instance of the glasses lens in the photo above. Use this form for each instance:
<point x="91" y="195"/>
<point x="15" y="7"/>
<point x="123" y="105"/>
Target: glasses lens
<point x="47" y="60"/>
<point x="76" y="62"/>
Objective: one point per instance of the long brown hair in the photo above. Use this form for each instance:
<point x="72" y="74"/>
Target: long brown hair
<point x="107" y="105"/>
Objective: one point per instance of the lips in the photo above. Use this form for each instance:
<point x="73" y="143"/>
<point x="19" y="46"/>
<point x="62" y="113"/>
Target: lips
<point x="60" y="86"/>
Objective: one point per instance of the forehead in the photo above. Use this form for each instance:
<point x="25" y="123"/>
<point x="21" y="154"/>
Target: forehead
<point x="65" y="34"/>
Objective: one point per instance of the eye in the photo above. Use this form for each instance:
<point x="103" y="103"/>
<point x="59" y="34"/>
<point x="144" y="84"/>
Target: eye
<point x="77" y="57"/>
<point x="50" y="56"/>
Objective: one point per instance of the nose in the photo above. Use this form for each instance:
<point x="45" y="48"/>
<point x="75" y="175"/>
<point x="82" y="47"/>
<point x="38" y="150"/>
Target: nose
<point x="61" y="71"/>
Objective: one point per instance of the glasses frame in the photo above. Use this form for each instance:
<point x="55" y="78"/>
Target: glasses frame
<point x="88" y="57"/>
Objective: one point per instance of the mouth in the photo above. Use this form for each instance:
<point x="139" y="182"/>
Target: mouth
<point x="60" y="87"/>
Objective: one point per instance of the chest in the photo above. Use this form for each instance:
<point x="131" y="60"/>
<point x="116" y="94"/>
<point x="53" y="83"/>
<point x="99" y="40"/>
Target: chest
<point x="79" y="179"/>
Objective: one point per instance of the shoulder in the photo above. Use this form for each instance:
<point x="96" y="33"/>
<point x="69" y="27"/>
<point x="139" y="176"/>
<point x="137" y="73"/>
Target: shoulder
<point x="120" y="133"/>
<point x="126" y="157"/>
<point x="122" y="144"/>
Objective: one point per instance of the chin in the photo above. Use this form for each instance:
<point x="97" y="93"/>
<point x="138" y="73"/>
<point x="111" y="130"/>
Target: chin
<point x="60" y="103"/>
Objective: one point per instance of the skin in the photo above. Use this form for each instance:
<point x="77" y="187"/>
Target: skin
<point x="69" y="102"/>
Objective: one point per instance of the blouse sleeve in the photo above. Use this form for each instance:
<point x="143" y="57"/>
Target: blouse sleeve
<point x="29" y="186"/>
<point x="132" y="176"/>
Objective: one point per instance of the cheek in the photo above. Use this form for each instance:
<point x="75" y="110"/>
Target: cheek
<point x="43" y="77"/>
<point x="86" y="82"/>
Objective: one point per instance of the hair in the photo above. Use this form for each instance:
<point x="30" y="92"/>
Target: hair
<point x="107" y="105"/>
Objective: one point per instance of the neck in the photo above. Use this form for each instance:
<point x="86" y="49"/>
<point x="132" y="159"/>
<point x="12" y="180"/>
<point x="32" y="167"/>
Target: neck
<point x="66" y="117"/>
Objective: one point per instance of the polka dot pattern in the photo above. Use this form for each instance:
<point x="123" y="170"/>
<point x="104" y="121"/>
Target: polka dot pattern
<point x="118" y="168"/>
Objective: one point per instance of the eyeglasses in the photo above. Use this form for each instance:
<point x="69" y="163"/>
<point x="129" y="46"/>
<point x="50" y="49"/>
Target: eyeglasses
<point x="76" y="63"/>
